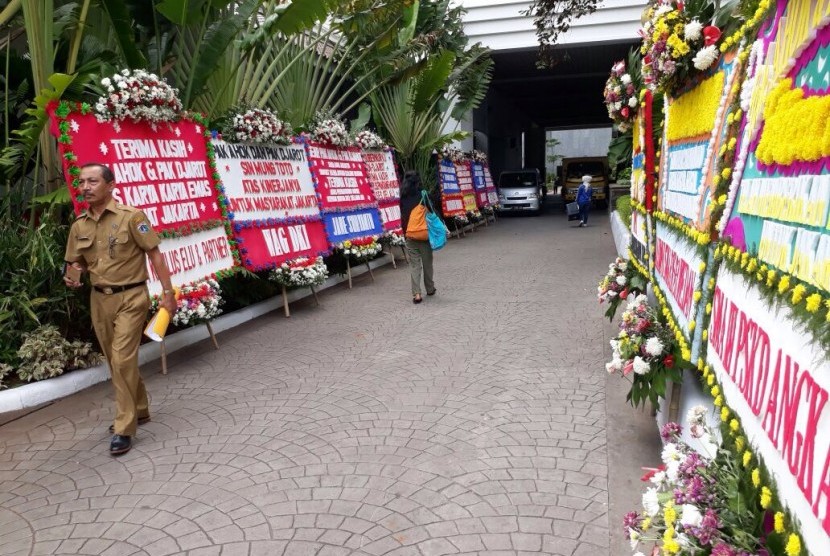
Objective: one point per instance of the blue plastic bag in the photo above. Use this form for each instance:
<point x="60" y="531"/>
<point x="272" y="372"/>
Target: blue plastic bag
<point x="435" y="226"/>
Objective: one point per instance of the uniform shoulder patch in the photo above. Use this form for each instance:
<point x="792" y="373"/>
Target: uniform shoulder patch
<point x="140" y="222"/>
<point x="143" y="228"/>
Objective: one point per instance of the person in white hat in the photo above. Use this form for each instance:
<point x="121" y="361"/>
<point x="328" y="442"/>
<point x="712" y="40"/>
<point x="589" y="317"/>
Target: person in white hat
<point x="583" y="199"/>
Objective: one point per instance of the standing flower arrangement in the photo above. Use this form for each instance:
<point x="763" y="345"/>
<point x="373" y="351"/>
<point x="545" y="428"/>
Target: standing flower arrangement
<point x="330" y="130"/>
<point x="474" y="216"/>
<point x="622" y="96"/>
<point x="360" y="250"/>
<point x="138" y="95"/>
<point x="675" y="45"/>
<point x="701" y="504"/>
<point x="369" y="141"/>
<point x="645" y="352"/>
<point x="197" y="303"/>
<point x="478" y="156"/>
<point x="622" y="280"/>
<point x="259" y="126"/>
<point x="304" y="272"/>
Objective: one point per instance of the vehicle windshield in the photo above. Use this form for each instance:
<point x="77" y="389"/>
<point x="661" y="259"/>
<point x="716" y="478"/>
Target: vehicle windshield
<point x="579" y="169"/>
<point x="517" y="180"/>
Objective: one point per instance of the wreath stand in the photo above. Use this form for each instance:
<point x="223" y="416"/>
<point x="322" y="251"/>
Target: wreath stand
<point x="164" y="348"/>
<point x="349" y="270"/>
<point x="285" y="300"/>
<point x="392" y="254"/>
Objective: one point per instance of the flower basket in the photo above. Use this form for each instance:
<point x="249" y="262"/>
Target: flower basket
<point x="360" y="250"/>
<point x="330" y="131"/>
<point x="198" y="303"/>
<point x="478" y="156"/>
<point x="646" y="353"/>
<point x="138" y="95"/>
<point x="304" y="272"/>
<point x="621" y="281"/>
<point x="622" y="96"/>
<point x="393" y="238"/>
<point x="453" y="154"/>
<point x="259" y="126"/>
<point x="369" y="141"/>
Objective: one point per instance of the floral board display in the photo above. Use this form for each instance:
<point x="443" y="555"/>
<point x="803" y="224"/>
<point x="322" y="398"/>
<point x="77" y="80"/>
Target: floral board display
<point x="272" y="202"/>
<point x="452" y="197"/>
<point x="478" y="169"/>
<point x="159" y="159"/>
<point x="383" y="176"/>
<point x="347" y="201"/>
<point x="738" y="262"/>
<point x="360" y="250"/>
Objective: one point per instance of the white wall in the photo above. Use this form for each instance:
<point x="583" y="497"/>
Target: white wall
<point x="578" y="142"/>
<point x="499" y="24"/>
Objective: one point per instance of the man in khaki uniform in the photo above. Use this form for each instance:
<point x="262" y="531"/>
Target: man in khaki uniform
<point x="109" y="241"/>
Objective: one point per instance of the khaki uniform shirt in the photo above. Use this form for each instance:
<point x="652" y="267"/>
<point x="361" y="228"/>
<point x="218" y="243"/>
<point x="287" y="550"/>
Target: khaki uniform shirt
<point x="112" y="246"/>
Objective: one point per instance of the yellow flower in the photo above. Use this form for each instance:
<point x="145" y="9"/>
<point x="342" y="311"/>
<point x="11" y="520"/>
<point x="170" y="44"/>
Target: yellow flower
<point x="715" y="391"/>
<point x="784" y="284"/>
<point x="766" y="497"/>
<point x="793" y="545"/>
<point x="716" y="181"/>
<point x="753" y="264"/>
<point x="770" y="278"/>
<point x="670" y="547"/>
<point x="701" y="267"/>
<point x="718" y="401"/>
<point x="756" y="477"/>
<point x="710" y="380"/>
<point x="645" y="524"/>
<point x="669" y="514"/>
<point x="691" y="325"/>
<point x="726" y="173"/>
<point x="747" y="458"/>
<point x="699" y="363"/>
<point x="779" y="522"/>
<point x="739" y="443"/>
<point x="798" y="293"/>
<point x="734" y="425"/>
<point x="708" y="308"/>
<point x="686" y="354"/>
<point x="813" y="303"/>
<point x="724" y="414"/>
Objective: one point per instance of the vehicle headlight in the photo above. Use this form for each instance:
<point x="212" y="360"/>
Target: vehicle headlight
<point x="532" y="196"/>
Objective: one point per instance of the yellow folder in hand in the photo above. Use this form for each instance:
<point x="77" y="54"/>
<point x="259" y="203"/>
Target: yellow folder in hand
<point x="157" y="327"/>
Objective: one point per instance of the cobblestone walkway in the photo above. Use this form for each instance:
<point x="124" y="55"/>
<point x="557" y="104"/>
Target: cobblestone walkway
<point x="473" y="423"/>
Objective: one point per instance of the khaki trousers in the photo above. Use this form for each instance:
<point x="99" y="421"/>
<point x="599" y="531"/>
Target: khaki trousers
<point x="119" y="320"/>
<point x="420" y="258"/>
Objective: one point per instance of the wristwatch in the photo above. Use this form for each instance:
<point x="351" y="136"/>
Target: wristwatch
<point x="165" y="292"/>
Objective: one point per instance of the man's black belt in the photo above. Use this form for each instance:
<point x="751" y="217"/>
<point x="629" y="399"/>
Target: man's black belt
<point x="109" y="290"/>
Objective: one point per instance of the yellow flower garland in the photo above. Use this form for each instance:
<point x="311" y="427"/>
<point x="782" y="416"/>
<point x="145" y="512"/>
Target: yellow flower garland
<point x="692" y="114"/>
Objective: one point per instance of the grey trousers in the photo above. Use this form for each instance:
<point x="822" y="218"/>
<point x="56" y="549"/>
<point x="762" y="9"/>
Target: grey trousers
<point x="420" y="258"/>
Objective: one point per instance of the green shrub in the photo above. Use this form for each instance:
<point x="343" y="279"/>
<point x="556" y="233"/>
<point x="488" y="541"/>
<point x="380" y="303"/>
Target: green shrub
<point x="5" y="370"/>
<point x="624" y="209"/>
<point x="45" y="353"/>
<point x="32" y="291"/>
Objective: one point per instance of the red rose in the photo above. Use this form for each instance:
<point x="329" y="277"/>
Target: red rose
<point x="711" y="34"/>
<point x="680" y="6"/>
<point x="624" y="111"/>
<point x="651" y="472"/>
<point x="668" y="361"/>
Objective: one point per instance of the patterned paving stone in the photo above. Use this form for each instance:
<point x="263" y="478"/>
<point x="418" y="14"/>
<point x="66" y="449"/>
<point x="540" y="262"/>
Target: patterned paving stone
<point x="472" y="424"/>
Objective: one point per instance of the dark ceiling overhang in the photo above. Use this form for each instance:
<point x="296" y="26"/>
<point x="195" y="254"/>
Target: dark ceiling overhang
<point x="566" y="95"/>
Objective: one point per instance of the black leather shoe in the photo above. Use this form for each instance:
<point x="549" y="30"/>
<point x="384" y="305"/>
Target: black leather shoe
<point x="141" y="421"/>
<point x="120" y="445"/>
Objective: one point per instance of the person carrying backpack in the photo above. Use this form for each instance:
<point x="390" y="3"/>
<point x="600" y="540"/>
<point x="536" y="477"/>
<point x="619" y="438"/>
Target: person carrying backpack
<point x="583" y="199"/>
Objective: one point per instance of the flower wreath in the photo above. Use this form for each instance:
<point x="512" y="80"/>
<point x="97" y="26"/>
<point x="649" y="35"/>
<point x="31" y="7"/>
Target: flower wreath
<point x="478" y="156"/>
<point x="622" y="280"/>
<point x="138" y="95"/>
<point x="259" y="125"/>
<point x="303" y="272"/>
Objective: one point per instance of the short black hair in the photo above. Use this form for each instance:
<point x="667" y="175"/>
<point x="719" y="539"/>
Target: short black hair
<point x="106" y="173"/>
